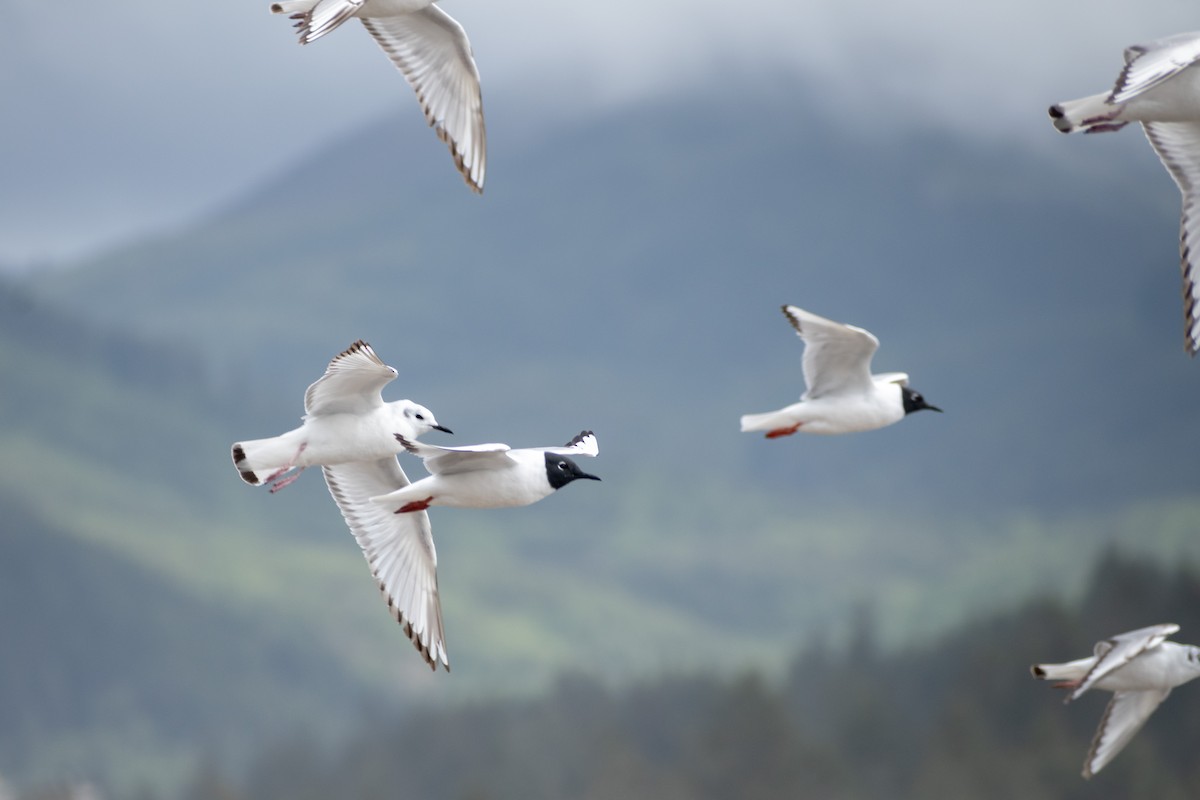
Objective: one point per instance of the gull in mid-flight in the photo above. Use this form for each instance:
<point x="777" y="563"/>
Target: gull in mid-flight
<point x="1140" y="668"/>
<point x="1160" y="88"/>
<point x="488" y="475"/>
<point x="431" y="49"/>
<point x="842" y="395"/>
<point x="345" y="420"/>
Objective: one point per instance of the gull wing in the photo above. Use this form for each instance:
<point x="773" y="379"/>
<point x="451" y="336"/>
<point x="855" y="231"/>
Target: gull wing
<point x="584" y="444"/>
<point x="398" y="547"/>
<point x="837" y="357"/>
<point x="1127" y="712"/>
<point x="1119" y="650"/>
<point x="449" y="460"/>
<point x="1148" y="65"/>
<point x="433" y="52"/>
<point x="1178" y="146"/>
<point x="351" y="384"/>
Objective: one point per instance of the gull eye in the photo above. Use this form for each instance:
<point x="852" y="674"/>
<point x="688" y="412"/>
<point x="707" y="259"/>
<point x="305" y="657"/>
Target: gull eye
<point x="562" y="465"/>
<point x="421" y="417"/>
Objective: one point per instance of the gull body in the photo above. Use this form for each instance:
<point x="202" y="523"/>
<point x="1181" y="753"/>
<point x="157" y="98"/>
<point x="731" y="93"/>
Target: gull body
<point x="431" y="49"/>
<point x="1140" y="668"/>
<point x="346" y="419"/>
<point x="842" y="395"/>
<point x="1160" y="88"/>
<point x="489" y="475"/>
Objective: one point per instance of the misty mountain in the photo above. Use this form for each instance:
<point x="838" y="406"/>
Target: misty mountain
<point x="623" y="275"/>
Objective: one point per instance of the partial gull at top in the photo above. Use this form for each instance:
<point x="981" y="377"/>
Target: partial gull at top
<point x="1160" y="88"/>
<point x="489" y="475"/>
<point x="345" y="420"/>
<point x="431" y="49"/>
<point x="1140" y="668"/>
<point x="842" y="395"/>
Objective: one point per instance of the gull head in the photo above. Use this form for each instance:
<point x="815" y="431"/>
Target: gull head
<point x="914" y="401"/>
<point x="419" y="418"/>
<point x="561" y="470"/>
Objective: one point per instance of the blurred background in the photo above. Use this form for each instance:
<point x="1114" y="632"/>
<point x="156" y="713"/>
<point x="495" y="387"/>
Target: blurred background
<point x="196" y="214"/>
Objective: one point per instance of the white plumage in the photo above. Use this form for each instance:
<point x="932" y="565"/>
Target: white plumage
<point x="1160" y="88"/>
<point x="431" y="49"/>
<point x="1140" y="668"/>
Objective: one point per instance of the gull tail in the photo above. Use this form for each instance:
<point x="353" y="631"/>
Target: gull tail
<point x="293" y="6"/>
<point x="1092" y="114"/>
<point x="769" y="421"/>
<point x="261" y="461"/>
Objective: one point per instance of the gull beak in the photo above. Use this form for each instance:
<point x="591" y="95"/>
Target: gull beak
<point x="442" y="428"/>
<point x="933" y="408"/>
<point x="589" y="477"/>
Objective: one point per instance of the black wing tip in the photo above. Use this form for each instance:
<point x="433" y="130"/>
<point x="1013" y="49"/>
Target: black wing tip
<point x="406" y="626"/>
<point x="792" y="318"/>
<point x="579" y="439"/>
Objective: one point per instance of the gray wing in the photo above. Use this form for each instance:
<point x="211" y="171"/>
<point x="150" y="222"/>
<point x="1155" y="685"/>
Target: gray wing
<point x="1148" y="65"/>
<point x="1119" y="650"/>
<point x="449" y="460"/>
<point x="324" y="17"/>
<point x="1178" y="146"/>
<point x="1125" y="715"/>
<point x="432" y="51"/>
<point x="398" y="547"/>
<point x="351" y="384"/>
<point x="837" y="357"/>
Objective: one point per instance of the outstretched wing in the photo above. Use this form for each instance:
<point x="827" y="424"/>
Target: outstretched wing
<point x="449" y="460"/>
<point x="1119" y="650"/>
<point x="837" y="357"/>
<point x="1148" y="65"/>
<point x="1178" y="146"/>
<point x="1125" y="715"/>
<point x="351" y="384"/>
<point x="398" y="547"/>
<point x="432" y="51"/>
<point x="584" y="444"/>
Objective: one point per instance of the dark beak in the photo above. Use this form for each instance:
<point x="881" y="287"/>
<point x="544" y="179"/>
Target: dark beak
<point x="933" y="408"/>
<point x="589" y="477"/>
<point x="442" y="428"/>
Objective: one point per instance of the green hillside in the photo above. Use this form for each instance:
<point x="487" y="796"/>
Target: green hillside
<point x="634" y="292"/>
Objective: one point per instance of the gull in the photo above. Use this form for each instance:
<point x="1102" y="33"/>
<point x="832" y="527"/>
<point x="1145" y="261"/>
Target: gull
<point x="1140" y="668"/>
<point x="488" y="475"/>
<point x="842" y="395"/>
<point x="1160" y="88"/>
<point x="345" y="420"/>
<point x="431" y="49"/>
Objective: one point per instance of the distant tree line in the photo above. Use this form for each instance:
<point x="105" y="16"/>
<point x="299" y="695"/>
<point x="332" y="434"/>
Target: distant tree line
<point x="959" y="717"/>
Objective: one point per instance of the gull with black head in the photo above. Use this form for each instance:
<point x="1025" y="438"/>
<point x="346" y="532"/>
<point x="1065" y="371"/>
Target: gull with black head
<point x="489" y="475"/>
<point x="842" y="395"/>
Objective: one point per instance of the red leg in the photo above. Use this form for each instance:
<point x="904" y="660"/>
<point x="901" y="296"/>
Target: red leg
<point x="415" y="505"/>
<point x="275" y="476"/>
<point x="778" y="432"/>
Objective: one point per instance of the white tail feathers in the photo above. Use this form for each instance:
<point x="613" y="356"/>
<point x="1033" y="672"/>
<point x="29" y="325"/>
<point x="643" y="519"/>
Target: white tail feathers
<point x="1092" y="114"/>
<point x="262" y="460"/>
<point x="763" y="422"/>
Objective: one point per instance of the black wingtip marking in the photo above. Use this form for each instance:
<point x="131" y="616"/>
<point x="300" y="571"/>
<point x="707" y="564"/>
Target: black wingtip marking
<point x="409" y="446"/>
<point x="579" y="439"/>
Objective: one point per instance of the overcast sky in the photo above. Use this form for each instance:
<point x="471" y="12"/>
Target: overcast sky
<point x="124" y="117"/>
